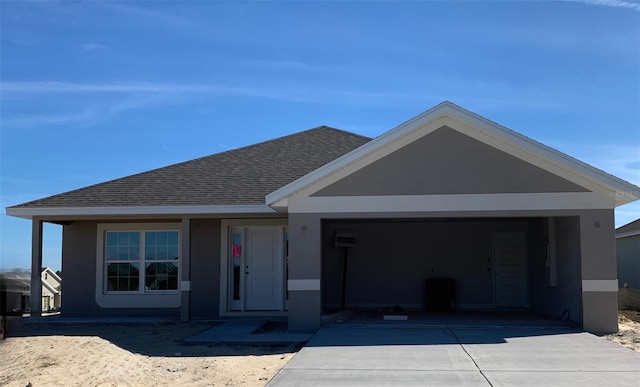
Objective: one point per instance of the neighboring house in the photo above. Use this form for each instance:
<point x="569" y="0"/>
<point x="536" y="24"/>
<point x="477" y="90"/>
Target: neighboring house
<point x="15" y="290"/>
<point x="628" y="254"/>
<point x="265" y="230"/>
<point x="51" y="290"/>
<point x="14" y="293"/>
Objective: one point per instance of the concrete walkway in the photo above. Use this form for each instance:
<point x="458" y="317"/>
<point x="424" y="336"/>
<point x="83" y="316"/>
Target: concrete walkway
<point x="459" y="357"/>
<point x="247" y="332"/>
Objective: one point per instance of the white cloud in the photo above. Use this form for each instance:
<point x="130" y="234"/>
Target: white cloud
<point x="86" y="116"/>
<point x="634" y="5"/>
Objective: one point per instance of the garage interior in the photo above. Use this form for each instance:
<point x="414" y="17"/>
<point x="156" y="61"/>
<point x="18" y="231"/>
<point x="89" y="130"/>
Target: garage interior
<point x="453" y="264"/>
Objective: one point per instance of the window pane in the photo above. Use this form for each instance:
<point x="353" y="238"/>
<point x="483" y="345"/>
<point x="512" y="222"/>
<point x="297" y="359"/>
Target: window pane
<point x="112" y="253"/>
<point x="122" y="277"/>
<point x="172" y="238"/>
<point x="112" y="283"/>
<point x="150" y="252"/>
<point x="162" y="253"/>
<point x="161" y="276"/>
<point x="122" y="246"/>
<point x="134" y="239"/>
<point x="172" y="252"/>
<point x="123" y="238"/>
<point x="150" y="239"/>
<point x="161" y="245"/>
<point x="112" y="238"/>
<point x="162" y="238"/>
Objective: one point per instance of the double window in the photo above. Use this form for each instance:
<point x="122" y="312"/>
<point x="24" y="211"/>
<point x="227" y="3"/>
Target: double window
<point x="141" y="261"/>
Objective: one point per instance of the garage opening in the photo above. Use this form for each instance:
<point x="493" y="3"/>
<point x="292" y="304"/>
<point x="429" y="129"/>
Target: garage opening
<point x="453" y="264"/>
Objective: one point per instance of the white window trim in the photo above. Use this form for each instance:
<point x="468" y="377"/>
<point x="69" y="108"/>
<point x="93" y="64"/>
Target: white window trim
<point x="163" y="299"/>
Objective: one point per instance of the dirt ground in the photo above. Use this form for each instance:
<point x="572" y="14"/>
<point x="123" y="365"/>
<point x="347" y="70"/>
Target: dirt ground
<point x="629" y="330"/>
<point x="130" y="355"/>
<point x="110" y="355"/>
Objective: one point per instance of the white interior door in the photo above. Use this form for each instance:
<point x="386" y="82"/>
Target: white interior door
<point x="264" y="269"/>
<point x="509" y="258"/>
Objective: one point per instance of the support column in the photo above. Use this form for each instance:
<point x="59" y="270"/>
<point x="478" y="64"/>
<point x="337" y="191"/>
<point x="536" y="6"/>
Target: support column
<point x="36" y="267"/>
<point x="599" y="272"/>
<point x="305" y="247"/>
<point x="185" y="269"/>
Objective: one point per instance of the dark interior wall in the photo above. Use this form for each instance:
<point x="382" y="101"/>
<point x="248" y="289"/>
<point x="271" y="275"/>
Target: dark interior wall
<point x="566" y="294"/>
<point x="205" y="268"/>
<point x="392" y="260"/>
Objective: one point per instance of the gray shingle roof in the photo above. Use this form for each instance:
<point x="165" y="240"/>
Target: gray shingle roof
<point x="633" y="226"/>
<point x="241" y="176"/>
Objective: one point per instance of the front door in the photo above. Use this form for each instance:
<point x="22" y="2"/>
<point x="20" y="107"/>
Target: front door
<point x="256" y="268"/>
<point x="263" y="268"/>
<point x="509" y="262"/>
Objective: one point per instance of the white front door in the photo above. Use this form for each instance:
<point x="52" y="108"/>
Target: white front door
<point x="263" y="269"/>
<point x="256" y="272"/>
<point x="509" y="262"/>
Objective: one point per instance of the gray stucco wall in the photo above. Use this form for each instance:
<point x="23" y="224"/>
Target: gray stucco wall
<point x="305" y="249"/>
<point x="393" y="259"/>
<point x="205" y="268"/>
<point x="448" y="162"/>
<point x="598" y="262"/>
<point x="79" y="267"/>
<point x="628" y="254"/>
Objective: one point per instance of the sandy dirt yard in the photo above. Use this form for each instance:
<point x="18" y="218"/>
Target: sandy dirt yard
<point x="130" y="355"/>
<point x="153" y="355"/>
<point x="629" y="330"/>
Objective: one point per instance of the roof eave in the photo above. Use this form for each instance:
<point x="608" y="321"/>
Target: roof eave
<point x="31" y="212"/>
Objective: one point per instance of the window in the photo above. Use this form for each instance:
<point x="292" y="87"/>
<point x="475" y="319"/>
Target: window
<point x="141" y="261"/>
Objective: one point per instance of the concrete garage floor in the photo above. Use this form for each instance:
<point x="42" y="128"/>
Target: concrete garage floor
<point x="458" y="352"/>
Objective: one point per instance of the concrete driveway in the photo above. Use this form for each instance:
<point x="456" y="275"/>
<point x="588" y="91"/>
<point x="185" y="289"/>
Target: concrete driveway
<point x="459" y="357"/>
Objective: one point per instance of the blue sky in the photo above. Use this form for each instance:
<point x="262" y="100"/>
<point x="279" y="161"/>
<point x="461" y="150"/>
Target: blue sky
<point x="94" y="91"/>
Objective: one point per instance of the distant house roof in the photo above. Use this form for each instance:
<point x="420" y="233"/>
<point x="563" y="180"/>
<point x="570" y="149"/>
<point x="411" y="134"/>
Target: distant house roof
<point x="237" y="177"/>
<point x="629" y="229"/>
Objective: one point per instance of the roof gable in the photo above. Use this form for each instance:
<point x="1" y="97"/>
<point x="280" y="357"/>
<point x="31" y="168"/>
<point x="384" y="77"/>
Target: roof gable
<point x="448" y="162"/>
<point x="465" y="122"/>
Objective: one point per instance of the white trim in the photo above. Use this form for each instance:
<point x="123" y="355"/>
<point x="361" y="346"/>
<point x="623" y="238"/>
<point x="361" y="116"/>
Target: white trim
<point x="477" y="127"/>
<point x="29" y="212"/>
<point x="51" y="273"/>
<point x="224" y="304"/>
<point x="441" y="203"/>
<point x="303" y="284"/>
<point x="170" y="299"/>
<point x="50" y="288"/>
<point x="628" y="234"/>
<point x="600" y="285"/>
<point x="185" y="286"/>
